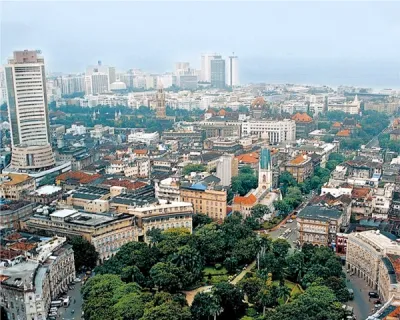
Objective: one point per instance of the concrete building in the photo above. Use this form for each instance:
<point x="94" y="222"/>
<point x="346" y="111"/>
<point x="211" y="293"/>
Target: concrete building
<point x="227" y="167"/>
<point x="97" y="83"/>
<point x="232" y="71"/>
<point x="107" y="233"/>
<point x="28" y="287"/>
<point x="28" y="112"/>
<point x="72" y="84"/>
<point x="319" y="225"/>
<point x="351" y="108"/>
<point x="142" y="137"/>
<point x="207" y="201"/>
<point x="373" y="257"/>
<point x="163" y="215"/>
<point x="300" y="167"/>
<point x="167" y="189"/>
<point x="271" y="130"/>
<point x="12" y="212"/>
<point x="205" y="73"/>
<point x="218" y="72"/>
<point x="304" y="125"/>
<point x="12" y="185"/>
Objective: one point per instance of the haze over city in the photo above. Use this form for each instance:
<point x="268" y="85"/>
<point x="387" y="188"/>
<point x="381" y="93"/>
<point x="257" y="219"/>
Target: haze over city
<point x="307" y="42"/>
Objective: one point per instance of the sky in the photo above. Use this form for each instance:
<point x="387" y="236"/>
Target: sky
<point x="285" y="40"/>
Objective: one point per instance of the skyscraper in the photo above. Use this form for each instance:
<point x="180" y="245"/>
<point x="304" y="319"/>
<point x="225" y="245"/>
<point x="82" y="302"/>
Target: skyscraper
<point x="232" y="71"/>
<point x="205" y="73"/>
<point x="160" y="102"/>
<point x="218" y="72"/>
<point x="28" y="111"/>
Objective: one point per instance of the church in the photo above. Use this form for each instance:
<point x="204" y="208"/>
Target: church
<point x="263" y="194"/>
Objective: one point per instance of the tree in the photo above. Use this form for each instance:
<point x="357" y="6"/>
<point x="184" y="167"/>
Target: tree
<point x="230" y="299"/>
<point x="172" y="239"/>
<point x="282" y="206"/>
<point x="246" y="170"/>
<point x="85" y="253"/>
<point x="167" y="276"/>
<point x="295" y="266"/>
<point x="154" y="235"/>
<point x="211" y="243"/>
<point x="190" y="259"/>
<point x="268" y="297"/>
<point x="133" y="274"/>
<point x="131" y="306"/>
<point x="231" y="264"/>
<point x="245" y="250"/>
<point x="205" y="305"/>
<point x="251" y="287"/>
<point x="200" y="219"/>
<point x="259" y="211"/>
<point x="98" y="293"/>
<point x="280" y="248"/>
<point x="283" y="292"/>
<point x="337" y="157"/>
<point x="243" y="183"/>
<point x="193" y="168"/>
<point x="169" y="310"/>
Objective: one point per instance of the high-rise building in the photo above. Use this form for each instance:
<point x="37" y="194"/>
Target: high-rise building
<point x="217" y="72"/>
<point x="181" y="67"/>
<point x="205" y="73"/>
<point x="72" y="84"/>
<point x="28" y="111"/>
<point x="3" y="89"/>
<point x="160" y="103"/>
<point x="232" y="71"/>
<point x="224" y="169"/>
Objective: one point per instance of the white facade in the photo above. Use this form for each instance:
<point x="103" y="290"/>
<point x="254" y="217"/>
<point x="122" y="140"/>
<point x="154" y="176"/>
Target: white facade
<point x="224" y="169"/>
<point x="142" y="137"/>
<point x="232" y="71"/>
<point x="27" y="101"/>
<point x="274" y="131"/>
<point x="3" y="89"/>
<point x="77" y="129"/>
<point x="205" y="73"/>
<point x="167" y="189"/>
<point x="99" y="83"/>
<point x="72" y="84"/>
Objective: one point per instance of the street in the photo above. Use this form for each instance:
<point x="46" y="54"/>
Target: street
<point x="291" y="236"/>
<point x="361" y="304"/>
<point x="74" y="310"/>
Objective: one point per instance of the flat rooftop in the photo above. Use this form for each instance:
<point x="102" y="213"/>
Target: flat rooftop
<point x="319" y="213"/>
<point x="19" y="274"/>
<point x="47" y="190"/>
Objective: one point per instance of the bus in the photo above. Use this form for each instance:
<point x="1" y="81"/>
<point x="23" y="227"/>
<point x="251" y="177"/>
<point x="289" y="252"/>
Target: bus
<point x="56" y="303"/>
<point x="66" y="301"/>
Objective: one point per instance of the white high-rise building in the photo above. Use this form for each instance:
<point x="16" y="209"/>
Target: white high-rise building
<point x="232" y="71"/>
<point x="3" y="89"/>
<point x="109" y="71"/>
<point x="28" y="111"/>
<point x="205" y="74"/>
<point x="224" y="169"/>
<point x="72" y="84"/>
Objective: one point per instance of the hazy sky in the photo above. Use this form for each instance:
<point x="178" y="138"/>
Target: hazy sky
<point x="153" y="35"/>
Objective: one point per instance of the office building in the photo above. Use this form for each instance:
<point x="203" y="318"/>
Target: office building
<point x="28" y="112"/>
<point x="275" y="131"/>
<point x="100" y="68"/>
<point x="72" y="84"/>
<point x="225" y="169"/>
<point x="232" y="71"/>
<point x="3" y="89"/>
<point x="217" y="72"/>
<point x="181" y="68"/>
<point x="205" y="73"/>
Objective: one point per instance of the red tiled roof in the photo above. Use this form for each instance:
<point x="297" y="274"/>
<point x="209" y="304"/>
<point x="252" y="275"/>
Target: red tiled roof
<point x="80" y="176"/>
<point x="337" y="124"/>
<point x="343" y="133"/>
<point x="140" y="151"/>
<point x="14" y="236"/>
<point x="9" y="254"/>
<point x="299" y="159"/>
<point x="301" y="117"/>
<point x="131" y="185"/>
<point x="251" y="199"/>
<point x="23" y="246"/>
<point x="360" y="192"/>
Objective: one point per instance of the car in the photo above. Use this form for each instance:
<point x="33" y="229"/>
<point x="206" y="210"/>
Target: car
<point x="377" y="301"/>
<point x="373" y="294"/>
<point x="290" y="220"/>
<point x="77" y="280"/>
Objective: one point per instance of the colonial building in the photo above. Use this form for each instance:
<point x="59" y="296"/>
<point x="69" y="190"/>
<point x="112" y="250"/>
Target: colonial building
<point x="375" y="258"/>
<point x="304" y="124"/>
<point x="209" y="201"/>
<point x="13" y="212"/>
<point x="12" y="185"/>
<point x="300" y="167"/>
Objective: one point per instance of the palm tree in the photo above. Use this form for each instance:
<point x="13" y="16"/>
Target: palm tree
<point x="214" y="307"/>
<point x="284" y="292"/>
<point x="296" y="265"/>
<point x="190" y="259"/>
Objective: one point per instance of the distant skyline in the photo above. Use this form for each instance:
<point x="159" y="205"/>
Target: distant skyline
<point x="313" y="42"/>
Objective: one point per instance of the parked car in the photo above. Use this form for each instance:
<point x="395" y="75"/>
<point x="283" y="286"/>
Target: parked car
<point x="373" y="294"/>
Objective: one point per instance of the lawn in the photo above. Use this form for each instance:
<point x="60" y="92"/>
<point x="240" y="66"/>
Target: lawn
<point x="272" y="223"/>
<point x="296" y="290"/>
<point x="214" y="276"/>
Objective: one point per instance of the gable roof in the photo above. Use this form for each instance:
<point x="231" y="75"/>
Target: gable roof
<point x="246" y="200"/>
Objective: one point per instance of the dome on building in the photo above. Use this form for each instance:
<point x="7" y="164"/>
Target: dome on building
<point x="117" y="85"/>
<point x="258" y="102"/>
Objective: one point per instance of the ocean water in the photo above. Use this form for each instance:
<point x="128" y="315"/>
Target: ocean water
<point x="371" y="74"/>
